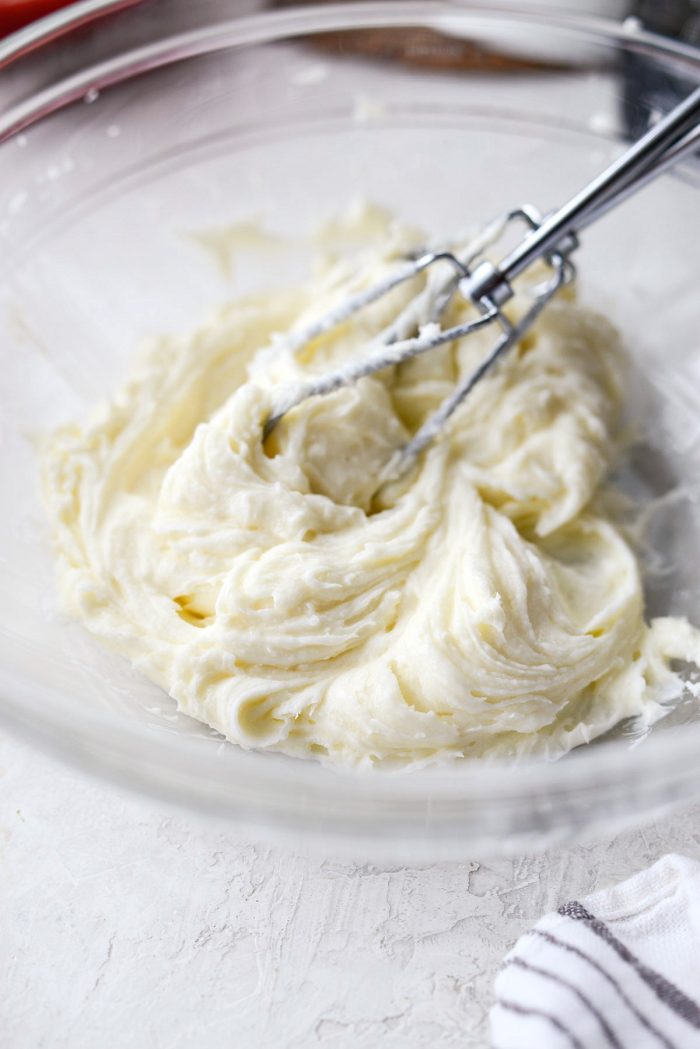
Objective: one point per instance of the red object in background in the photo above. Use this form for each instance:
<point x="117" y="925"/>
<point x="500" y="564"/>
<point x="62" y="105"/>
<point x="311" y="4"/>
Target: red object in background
<point x="16" y="13"/>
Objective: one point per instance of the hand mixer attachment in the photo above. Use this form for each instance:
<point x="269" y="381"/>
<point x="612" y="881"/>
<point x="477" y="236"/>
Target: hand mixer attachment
<point x="487" y="285"/>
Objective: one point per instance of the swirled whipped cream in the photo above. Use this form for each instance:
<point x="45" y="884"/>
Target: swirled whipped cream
<point x="484" y="605"/>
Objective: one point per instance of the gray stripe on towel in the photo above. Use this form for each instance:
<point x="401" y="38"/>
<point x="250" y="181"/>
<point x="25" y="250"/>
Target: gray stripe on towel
<point x="605" y="1027"/>
<point x="541" y="1014"/>
<point x="664" y="990"/>
<point x="573" y="949"/>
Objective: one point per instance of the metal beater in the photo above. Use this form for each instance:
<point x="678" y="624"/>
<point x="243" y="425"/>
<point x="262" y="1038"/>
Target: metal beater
<point x="551" y="238"/>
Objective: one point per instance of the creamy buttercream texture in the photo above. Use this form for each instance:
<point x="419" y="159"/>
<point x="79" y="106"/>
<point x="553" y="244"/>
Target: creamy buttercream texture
<point x="483" y="605"/>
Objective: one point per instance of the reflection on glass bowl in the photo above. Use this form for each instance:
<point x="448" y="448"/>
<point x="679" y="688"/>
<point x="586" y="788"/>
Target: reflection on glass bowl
<point x="98" y="203"/>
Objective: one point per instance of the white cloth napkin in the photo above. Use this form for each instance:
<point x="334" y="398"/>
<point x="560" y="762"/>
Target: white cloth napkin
<point x="617" y="970"/>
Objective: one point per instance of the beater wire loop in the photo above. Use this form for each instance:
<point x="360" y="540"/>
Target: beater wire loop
<point x="549" y="239"/>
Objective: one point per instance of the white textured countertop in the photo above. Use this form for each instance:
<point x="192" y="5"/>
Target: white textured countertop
<point x="128" y="925"/>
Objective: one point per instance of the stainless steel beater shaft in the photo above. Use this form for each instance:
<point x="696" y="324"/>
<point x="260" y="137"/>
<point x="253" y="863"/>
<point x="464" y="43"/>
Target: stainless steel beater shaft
<point x="588" y="204"/>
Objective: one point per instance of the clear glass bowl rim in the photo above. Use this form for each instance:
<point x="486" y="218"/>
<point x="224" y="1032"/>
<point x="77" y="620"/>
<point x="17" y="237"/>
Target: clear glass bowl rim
<point x="665" y="767"/>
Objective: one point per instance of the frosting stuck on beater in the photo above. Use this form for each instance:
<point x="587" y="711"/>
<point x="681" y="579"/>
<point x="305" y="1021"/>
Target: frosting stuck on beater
<point x="482" y="605"/>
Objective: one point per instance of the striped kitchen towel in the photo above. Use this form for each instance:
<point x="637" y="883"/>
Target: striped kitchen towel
<point x="618" y="970"/>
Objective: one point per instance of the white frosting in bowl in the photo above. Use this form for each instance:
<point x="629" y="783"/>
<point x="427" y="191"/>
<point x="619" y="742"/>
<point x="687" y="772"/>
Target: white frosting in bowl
<point x="484" y="605"/>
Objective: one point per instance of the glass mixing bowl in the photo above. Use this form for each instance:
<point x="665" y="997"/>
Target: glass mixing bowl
<point x="124" y="143"/>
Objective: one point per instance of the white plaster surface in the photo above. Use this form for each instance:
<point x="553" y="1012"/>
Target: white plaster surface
<point x="127" y="925"/>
